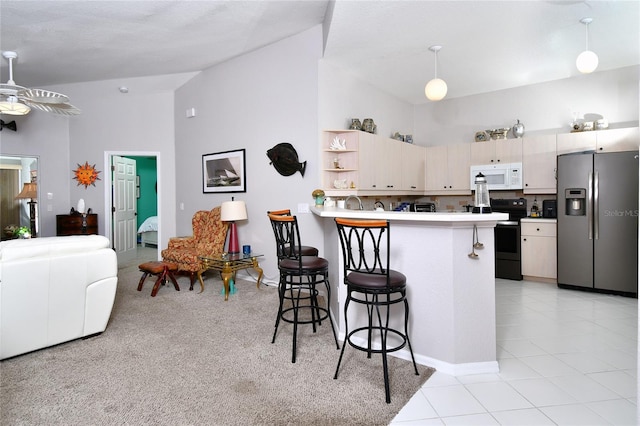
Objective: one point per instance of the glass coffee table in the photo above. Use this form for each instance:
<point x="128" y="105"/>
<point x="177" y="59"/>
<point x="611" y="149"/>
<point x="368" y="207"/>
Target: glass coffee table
<point x="228" y="264"/>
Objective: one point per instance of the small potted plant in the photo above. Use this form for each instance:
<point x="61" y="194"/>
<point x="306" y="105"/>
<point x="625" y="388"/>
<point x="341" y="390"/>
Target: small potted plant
<point x="22" y="232"/>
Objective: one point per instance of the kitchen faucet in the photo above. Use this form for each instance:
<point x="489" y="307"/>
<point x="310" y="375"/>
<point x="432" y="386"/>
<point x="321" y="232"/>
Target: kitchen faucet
<point x="360" y="207"/>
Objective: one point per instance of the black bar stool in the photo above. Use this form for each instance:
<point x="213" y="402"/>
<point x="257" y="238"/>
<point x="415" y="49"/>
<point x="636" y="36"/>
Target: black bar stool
<point x="300" y="277"/>
<point x="304" y="250"/>
<point x="372" y="283"/>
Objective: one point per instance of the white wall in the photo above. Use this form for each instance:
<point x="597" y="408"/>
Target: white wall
<point x="139" y="121"/>
<point x="343" y="97"/>
<point x="541" y="107"/>
<point x="45" y="136"/>
<point x="253" y="102"/>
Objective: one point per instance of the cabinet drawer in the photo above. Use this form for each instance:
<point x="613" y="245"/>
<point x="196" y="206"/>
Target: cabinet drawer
<point x="538" y="229"/>
<point x="76" y="224"/>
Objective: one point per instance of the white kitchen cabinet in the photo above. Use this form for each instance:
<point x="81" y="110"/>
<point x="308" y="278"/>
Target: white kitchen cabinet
<point x="413" y="167"/>
<point x="367" y="161"/>
<point x="448" y="169"/>
<point x="575" y="142"/>
<point x="538" y="249"/>
<point x="616" y="140"/>
<point x="380" y="163"/>
<point x="388" y="164"/>
<point x="496" y="151"/>
<point x="539" y="164"/>
<point x="609" y="140"/>
<point x="370" y="164"/>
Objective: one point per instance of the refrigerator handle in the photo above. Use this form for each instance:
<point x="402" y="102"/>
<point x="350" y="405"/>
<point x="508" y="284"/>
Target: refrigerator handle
<point x="596" y="206"/>
<point x="590" y="206"/>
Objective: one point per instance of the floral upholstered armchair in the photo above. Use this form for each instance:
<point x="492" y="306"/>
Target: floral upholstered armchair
<point x="209" y="235"/>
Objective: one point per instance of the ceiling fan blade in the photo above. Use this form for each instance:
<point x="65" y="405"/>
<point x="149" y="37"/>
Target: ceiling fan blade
<point x="56" y="108"/>
<point x="42" y="96"/>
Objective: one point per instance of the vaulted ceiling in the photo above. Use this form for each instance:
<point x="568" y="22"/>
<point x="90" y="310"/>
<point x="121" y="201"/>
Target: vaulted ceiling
<point x="487" y="45"/>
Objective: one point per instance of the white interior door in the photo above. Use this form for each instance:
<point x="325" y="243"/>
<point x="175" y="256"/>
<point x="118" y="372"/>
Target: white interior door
<point x="124" y="208"/>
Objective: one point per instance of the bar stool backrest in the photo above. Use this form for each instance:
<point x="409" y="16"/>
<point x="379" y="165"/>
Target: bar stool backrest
<point x="365" y="246"/>
<point x="287" y="234"/>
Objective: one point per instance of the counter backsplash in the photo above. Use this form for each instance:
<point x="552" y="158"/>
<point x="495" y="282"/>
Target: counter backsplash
<point x="450" y="203"/>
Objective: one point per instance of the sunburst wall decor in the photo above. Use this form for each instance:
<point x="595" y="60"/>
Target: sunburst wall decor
<point x="86" y="175"/>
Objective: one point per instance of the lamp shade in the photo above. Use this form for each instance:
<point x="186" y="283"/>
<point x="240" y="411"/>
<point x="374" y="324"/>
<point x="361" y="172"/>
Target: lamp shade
<point x="231" y="211"/>
<point x="11" y="106"/>
<point x="587" y="62"/>
<point x="30" y="190"/>
<point x="436" y="89"/>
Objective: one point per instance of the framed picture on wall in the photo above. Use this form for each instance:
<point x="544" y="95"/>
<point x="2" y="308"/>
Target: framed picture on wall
<point x="224" y="172"/>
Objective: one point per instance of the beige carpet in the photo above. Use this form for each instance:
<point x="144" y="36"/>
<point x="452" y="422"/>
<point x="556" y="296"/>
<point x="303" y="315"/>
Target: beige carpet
<point x="184" y="358"/>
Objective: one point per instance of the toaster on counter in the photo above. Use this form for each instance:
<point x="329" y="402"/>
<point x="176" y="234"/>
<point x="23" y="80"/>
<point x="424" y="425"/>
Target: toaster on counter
<point x="422" y="207"/>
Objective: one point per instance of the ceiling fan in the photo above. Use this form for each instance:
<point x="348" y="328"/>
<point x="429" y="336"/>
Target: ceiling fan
<point x="18" y="100"/>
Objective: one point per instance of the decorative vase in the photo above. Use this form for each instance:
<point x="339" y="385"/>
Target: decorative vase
<point x="518" y="129"/>
<point x="368" y="125"/>
<point x="355" y="124"/>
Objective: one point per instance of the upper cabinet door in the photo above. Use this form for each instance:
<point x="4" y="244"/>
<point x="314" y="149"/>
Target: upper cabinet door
<point x="368" y="158"/>
<point x="388" y="163"/>
<point x="496" y="151"/>
<point x="413" y="167"/>
<point x="483" y="152"/>
<point x="539" y="164"/>
<point x="509" y="150"/>
<point x="437" y="168"/>
<point x="575" y="142"/>
<point x="459" y="163"/>
<point x="616" y="140"/>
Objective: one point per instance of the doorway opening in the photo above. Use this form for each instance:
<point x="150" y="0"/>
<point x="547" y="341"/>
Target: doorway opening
<point x="132" y="203"/>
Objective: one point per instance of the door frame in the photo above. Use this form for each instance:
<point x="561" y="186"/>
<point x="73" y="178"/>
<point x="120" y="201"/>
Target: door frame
<point x="108" y="189"/>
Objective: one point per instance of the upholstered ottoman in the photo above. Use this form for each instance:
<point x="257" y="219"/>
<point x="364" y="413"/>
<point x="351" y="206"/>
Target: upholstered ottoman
<point x="162" y="270"/>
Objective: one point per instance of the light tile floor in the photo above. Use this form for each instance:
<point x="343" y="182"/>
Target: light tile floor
<point x="566" y="358"/>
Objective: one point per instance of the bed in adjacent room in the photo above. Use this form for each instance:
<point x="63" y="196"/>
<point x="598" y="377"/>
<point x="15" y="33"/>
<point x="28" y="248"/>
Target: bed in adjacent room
<point x="148" y="231"/>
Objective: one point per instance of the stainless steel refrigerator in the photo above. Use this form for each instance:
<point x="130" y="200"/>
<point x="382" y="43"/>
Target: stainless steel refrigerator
<point x="598" y="221"/>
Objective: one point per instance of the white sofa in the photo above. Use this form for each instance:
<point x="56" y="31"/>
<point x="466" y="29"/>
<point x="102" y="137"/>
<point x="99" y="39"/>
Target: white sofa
<point x="53" y="290"/>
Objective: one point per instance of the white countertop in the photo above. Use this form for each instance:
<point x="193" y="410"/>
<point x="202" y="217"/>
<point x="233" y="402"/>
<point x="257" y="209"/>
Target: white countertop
<point x="436" y="217"/>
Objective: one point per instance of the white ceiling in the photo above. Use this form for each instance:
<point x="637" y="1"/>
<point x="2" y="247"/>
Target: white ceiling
<point x="487" y="45"/>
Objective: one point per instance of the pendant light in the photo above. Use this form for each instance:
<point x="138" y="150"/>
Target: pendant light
<point x="435" y="89"/>
<point x="587" y="61"/>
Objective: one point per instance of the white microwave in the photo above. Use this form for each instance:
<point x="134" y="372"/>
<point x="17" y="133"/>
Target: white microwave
<point x="499" y="176"/>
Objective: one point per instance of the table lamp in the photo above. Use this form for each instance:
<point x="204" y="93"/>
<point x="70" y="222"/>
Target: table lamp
<point x="232" y="211"/>
<point x="30" y="191"/>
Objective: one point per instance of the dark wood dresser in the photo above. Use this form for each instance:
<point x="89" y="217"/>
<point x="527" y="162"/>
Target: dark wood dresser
<point x="76" y="224"/>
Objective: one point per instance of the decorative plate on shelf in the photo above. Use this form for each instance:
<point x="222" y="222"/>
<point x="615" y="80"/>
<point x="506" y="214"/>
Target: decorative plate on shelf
<point x="481" y="136"/>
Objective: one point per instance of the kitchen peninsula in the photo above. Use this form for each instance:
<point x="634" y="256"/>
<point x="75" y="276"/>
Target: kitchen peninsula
<point x="451" y="295"/>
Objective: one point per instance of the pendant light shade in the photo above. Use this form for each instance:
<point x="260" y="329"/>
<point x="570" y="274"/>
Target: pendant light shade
<point x="587" y="61"/>
<point x="435" y="89"/>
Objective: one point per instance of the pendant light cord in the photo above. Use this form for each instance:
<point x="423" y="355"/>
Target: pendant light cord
<point x="586" y="35"/>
